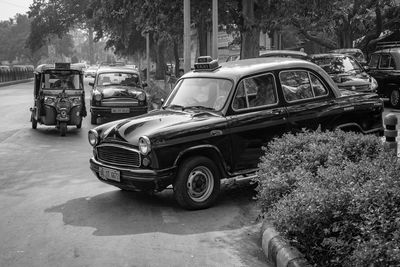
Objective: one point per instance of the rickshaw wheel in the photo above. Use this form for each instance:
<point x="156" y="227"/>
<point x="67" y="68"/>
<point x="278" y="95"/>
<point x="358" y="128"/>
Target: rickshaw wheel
<point x="63" y="128"/>
<point x="34" y="123"/>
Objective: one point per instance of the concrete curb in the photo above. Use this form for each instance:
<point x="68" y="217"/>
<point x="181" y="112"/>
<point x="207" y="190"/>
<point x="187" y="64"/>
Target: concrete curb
<point x="278" y="251"/>
<point x="15" y="82"/>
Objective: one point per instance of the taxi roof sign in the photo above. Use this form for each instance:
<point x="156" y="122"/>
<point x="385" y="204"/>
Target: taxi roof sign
<point x="206" y="63"/>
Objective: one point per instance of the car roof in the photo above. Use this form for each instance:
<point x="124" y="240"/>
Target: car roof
<point x="235" y="70"/>
<point x="105" y="69"/>
<point x="44" y="67"/>
<point x="332" y="55"/>
<point x="388" y="50"/>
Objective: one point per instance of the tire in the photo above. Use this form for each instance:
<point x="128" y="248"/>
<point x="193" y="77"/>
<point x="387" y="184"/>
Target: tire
<point x="394" y="98"/>
<point x="93" y="118"/>
<point x="79" y="125"/>
<point x="34" y="123"/>
<point x="63" y="128"/>
<point x="197" y="184"/>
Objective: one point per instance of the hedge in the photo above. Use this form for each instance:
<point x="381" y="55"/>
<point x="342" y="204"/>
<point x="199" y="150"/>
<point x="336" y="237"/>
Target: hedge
<point x="335" y="196"/>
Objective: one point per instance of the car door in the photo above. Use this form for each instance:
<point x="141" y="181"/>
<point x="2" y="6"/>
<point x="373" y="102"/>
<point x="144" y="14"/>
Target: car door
<point x="309" y="99"/>
<point x="254" y="122"/>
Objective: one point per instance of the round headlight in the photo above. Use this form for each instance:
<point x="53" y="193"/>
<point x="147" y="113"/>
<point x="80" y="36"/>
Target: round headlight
<point x="93" y="137"/>
<point x="142" y="96"/>
<point x="144" y="145"/>
<point x="97" y="97"/>
<point x="374" y="84"/>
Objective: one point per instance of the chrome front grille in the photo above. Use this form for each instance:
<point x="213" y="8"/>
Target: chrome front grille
<point x="119" y="102"/>
<point x="118" y="155"/>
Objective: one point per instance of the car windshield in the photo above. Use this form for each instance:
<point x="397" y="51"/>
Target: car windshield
<point x="337" y="65"/>
<point x="200" y="93"/>
<point x="61" y="80"/>
<point x="118" y="78"/>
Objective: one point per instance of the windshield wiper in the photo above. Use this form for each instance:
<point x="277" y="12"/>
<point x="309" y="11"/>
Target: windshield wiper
<point x="176" y="106"/>
<point x="200" y="107"/>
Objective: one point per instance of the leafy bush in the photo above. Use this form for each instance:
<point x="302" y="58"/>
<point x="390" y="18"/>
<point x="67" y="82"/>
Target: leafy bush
<point x="335" y="196"/>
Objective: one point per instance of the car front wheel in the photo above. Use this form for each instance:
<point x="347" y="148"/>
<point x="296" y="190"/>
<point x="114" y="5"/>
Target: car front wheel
<point x="395" y="98"/>
<point x="197" y="184"/>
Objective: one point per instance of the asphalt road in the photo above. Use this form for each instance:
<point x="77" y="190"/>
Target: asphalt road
<point x="54" y="212"/>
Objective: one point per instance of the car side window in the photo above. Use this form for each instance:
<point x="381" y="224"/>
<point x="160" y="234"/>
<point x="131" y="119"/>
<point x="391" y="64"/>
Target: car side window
<point x="256" y="91"/>
<point x="318" y="87"/>
<point x="373" y="62"/>
<point x="296" y="85"/>
<point x="385" y="62"/>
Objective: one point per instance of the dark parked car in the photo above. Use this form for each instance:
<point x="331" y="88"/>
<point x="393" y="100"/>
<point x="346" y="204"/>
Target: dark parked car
<point x="354" y="52"/>
<point x="346" y="72"/>
<point x="117" y="92"/>
<point x="384" y="66"/>
<point x="285" y="53"/>
<point x="275" y="53"/>
<point x="216" y="120"/>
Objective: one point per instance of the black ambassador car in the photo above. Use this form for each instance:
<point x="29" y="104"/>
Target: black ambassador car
<point x="384" y="66"/>
<point x="117" y="92"/>
<point x="346" y="72"/>
<point x="216" y="120"/>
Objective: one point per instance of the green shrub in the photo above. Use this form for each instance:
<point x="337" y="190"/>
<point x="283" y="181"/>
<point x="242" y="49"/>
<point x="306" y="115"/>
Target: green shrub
<point x="335" y="196"/>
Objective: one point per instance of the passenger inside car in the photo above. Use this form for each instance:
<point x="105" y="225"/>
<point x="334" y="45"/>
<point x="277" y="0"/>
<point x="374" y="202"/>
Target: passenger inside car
<point x="265" y="92"/>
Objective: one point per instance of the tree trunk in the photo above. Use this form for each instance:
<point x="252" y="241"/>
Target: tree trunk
<point x="202" y="33"/>
<point x="176" y="56"/>
<point x="250" y="35"/>
<point x="91" y="47"/>
<point x="160" y="64"/>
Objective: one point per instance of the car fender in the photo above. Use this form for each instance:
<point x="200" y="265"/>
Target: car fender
<point x="207" y="150"/>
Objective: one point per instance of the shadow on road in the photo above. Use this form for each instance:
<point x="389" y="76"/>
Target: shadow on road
<point x="126" y="213"/>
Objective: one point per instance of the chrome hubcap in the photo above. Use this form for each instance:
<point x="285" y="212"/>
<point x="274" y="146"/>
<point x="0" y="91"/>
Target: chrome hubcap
<point x="200" y="184"/>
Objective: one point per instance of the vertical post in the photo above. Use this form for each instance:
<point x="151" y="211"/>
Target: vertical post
<point x="390" y="122"/>
<point x="215" y="29"/>
<point x="186" y="35"/>
<point x="148" y="57"/>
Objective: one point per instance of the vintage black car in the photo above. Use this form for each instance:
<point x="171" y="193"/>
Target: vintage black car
<point x="216" y="120"/>
<point x="384" y="66"/>
<point x="346" y="72"/>
<point x="117" y="92"/>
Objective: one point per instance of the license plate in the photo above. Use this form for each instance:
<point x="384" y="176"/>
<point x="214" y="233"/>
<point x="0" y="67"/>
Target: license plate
<point x="120" y="110"/>
<point x="109" y="174"/>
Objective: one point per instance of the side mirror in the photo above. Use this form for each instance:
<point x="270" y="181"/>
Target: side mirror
<point x="144" y="84"/>
<point x="366" y="68"/>
<point x="91" y="84"/>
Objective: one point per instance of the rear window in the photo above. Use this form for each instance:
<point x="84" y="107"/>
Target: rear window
<point x="373" y="62"/>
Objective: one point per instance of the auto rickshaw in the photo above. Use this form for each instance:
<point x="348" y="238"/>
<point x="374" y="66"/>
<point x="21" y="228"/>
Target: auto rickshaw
<point x="59" y="96"/>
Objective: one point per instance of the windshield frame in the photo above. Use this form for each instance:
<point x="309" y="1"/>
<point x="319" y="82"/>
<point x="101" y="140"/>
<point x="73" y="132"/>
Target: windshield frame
<point x="98" y="82"/>
<point x="216" y="100"/>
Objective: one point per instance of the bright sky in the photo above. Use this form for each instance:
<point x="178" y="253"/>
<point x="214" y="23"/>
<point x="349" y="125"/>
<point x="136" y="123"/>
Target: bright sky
<point x="9" y="8"/>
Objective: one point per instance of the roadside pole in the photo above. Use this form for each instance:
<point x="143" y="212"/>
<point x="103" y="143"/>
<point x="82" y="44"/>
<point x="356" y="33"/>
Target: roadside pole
<point x="390" y="122"/>
<point x="215" y="29"/>
<point x="186" y="35"/>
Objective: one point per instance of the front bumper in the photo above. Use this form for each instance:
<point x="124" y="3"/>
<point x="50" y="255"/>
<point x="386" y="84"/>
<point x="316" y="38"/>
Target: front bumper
<point x="136" y="179"/>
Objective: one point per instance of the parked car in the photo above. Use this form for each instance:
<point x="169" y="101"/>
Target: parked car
<point x="91" y="71"/>
<point x="117" y="92"/>
<point x="275" y="53"/>
<point x="355" y="52"/>
<point x="215" y="122"/>
<point x="285" y="53"/>
<point x="384" y="66"/>
<point x="346" y="72"/>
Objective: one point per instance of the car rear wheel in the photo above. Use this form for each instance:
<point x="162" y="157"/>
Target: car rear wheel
<point x="395" y="98"/>
<point x="197" y="184"/>
<point x="34" y="123"/>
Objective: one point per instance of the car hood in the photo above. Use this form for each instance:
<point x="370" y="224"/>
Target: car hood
<point x="160" y="125"/>
<point x="120" y="91"/>
<point x="351" y="79"/>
